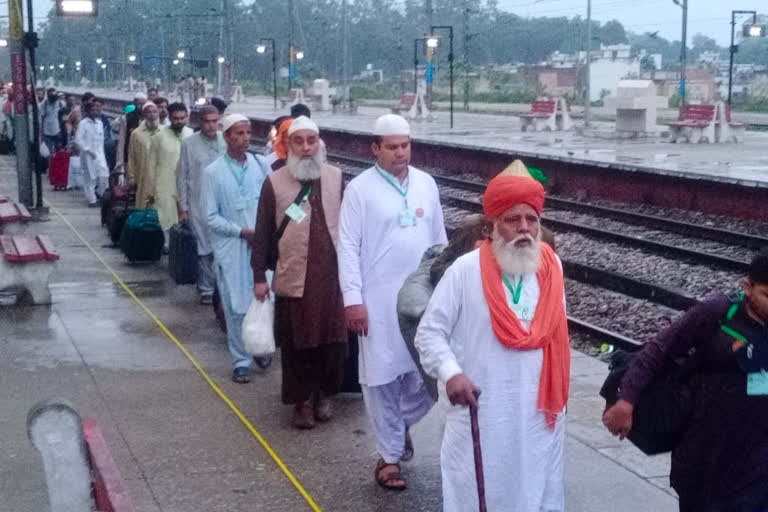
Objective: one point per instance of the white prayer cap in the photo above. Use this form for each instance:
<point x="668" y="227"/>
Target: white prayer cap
<point x="139" y="96"/>
<point x="147" y="105"/>
<point x="302" y="123"/>
<point x="231" y="119"/>
<point x="391" y="124"/>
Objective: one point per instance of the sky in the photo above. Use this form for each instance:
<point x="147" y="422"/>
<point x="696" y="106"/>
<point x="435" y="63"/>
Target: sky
<point x="709" y="17"/>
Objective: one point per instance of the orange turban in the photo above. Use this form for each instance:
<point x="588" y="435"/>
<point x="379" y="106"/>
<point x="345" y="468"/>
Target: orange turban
<point x="279" y="145"/>
<point x="505" y="191"/>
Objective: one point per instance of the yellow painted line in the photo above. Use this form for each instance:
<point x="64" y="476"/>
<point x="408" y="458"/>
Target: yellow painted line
<point x="197" y="366"/>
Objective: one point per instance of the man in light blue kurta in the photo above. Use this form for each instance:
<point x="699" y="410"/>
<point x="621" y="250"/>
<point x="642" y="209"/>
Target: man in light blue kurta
<point x="232" y="187"/>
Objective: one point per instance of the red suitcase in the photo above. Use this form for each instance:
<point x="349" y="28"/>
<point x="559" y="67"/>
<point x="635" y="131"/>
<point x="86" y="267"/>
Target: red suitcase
<point x="58" y="170"/>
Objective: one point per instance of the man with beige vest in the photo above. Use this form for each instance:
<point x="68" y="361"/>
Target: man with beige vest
<point x="304" y="199"/>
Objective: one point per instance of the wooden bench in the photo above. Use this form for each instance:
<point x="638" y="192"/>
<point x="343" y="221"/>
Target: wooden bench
<point x="543" y="116"/>
<point x="14" y="218"/>
<point x="27" y="263"/>
<point x="405" y="104"/>
<point x="695" y="123"/>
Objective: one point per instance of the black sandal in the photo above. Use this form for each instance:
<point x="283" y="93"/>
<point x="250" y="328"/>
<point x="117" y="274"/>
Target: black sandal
<point x="384" y="480"/>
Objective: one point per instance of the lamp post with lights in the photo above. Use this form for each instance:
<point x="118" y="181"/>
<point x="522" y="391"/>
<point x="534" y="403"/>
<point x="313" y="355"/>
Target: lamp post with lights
<point x="753" y="30"/>
<point x="261" y="49"/>
<point x="449" y="28"/>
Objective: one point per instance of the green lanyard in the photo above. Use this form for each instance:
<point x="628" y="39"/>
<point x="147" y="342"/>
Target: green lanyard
<point x="403" y="191"/>
<point x="239" y="176"/>
<point x="306" y="196"/>
<point x="516" y="292"/>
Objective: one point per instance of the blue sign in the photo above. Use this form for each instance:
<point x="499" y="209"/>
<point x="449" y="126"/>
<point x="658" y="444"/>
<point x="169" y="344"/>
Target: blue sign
<point x="428" y="73"/>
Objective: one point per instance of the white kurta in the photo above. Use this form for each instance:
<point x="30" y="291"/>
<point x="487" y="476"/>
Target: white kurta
<point x="522" y="457"/>
<point x="197" y="153"/>
<point x="89" y="139"/>
<point x="376" y="255"/>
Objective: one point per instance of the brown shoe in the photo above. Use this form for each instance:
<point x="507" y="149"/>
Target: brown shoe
<point x="303" y="416"/>
<point x="323" y="408"/>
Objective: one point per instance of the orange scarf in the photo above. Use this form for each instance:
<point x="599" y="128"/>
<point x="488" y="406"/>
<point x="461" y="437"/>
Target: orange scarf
<point x="549" y="328"/>
<point x="280" y="144"/>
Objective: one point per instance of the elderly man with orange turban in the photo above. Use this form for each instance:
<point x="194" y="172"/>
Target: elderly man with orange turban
<point x="495" y="336"/>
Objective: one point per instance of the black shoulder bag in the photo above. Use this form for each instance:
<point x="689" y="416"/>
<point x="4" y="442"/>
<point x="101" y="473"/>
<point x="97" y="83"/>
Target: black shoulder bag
<point x="274" y="251"/>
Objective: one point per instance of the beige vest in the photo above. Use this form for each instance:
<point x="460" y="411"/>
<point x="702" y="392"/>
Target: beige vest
<point x="291" y="268"/>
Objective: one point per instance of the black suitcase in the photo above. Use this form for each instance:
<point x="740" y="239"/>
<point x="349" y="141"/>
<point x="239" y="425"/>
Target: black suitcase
<point x="142" y="238"/>
<point x="182" y="254"/>
<point x="351" y="380"/>
<point x="116" y="217"/>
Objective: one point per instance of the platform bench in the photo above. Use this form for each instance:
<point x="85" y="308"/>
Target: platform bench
<point x="27" y="263"/>
<point x="736" y="129"/>
<point x="406" y="103"/>
<point x="14" y="218"/>
<point x="695" y="123"/>
<point x="543" y="116"/>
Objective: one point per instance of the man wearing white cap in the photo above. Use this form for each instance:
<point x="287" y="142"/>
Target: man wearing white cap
<point x="138" y="155"/>
<point x="128" y="123"/>
<point x="390" y="215"/>
<point x="304" y="198"/>
<point x="231" y="187"/>
<point x="89" y="139"/>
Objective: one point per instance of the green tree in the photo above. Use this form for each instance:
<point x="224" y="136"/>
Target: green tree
<point x="613" y="33"/>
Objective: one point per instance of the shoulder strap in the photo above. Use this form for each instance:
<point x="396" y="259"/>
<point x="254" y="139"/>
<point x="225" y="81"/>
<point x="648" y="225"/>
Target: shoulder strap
<point x="286" y="219"/>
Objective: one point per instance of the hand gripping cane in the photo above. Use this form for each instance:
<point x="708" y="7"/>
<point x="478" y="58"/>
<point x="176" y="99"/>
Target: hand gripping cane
<point x="478" y="459"/>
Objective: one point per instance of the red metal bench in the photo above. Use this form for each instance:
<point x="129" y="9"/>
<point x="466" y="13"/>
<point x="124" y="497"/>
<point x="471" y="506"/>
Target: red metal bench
<point x="542" y="116"/>
<point x="109" y="492"/>
<point x="13" y="217"/>
<point x="695" y="122"/>
<point x="735" y="129"/>
<point x="26" y="264"/>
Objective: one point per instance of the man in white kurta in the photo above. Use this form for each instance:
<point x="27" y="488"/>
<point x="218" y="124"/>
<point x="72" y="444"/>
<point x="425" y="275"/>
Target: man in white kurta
<point x="390" y="215"/>
<point x="164" y="151"/>
<point x="198" y="151"/>
<point x="89" y="140"/>
<point x="232" y="187"/>
<point x="496" y="326"/>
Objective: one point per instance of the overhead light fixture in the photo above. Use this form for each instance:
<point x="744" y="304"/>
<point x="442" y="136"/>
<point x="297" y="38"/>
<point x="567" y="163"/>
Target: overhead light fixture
<point x="42" y="68"/>
<point x="99" y="60"/>
<point x="754" y="30"/>
<point x="3" y="43"/>
<point x="261" y="48"/>
<point x="221" y="60"/>
<point x="77" y="7"/>
<point x="131" y="58"/>
<point x="432" y="42"/>
<point x="77" y="63"/>
<point x="299" y="54"/>
<point x="51" y="67"/>
<point x="175" y="62"/>
<point x="61" y="66"/>
<point x="104" y="66"/>
<point x="181" y="55"/>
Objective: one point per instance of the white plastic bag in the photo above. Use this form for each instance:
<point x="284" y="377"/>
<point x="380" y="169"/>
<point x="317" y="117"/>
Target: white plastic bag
<point x="44" y="151"/>
<point x="258" y="333"/>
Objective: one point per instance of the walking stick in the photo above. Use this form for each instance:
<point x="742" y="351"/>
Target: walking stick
<point x="478" y="459"/>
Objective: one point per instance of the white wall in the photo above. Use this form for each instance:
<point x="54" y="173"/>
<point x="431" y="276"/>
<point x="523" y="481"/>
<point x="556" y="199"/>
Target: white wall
<point x="605" y="74"/>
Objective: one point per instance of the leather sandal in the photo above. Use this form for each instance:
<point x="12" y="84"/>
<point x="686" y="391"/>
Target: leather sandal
<point x="385" y="479"/>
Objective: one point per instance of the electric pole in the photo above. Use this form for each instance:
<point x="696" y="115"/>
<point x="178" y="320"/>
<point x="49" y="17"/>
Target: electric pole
<point x="683" y="5"/>
<point x="345" y="52"/>
<point x="20" y="103"/>
<point x="428" y="69"/>
<point x="588" y="81"/>
<point x="465" y="57"/>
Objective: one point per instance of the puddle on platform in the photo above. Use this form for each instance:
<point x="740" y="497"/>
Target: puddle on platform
<point x="8" y="297"/>
<point x="105" y="289"/>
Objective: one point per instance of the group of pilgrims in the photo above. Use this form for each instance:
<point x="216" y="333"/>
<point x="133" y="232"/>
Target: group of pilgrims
<point x="475" y="322"/>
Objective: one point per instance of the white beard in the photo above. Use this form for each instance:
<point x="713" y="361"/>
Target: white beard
<point x="151" y="125"/>
<point x="517" y="260"/>
<point x="307" y="169"/>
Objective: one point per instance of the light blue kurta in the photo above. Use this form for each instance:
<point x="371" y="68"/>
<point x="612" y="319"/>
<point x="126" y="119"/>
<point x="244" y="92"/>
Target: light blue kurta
<point x="232" y="255"/>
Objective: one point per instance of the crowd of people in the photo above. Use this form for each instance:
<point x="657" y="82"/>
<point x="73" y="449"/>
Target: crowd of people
<point x="491" y="332"/>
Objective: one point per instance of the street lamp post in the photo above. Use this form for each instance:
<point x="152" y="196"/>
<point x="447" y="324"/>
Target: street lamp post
<point x="683" y="43"/>
<point x="220" y="60"/>
<point x="734" y="48"/>
<point x="262" y="49"/>
<point x="450" y="57"/>
<point x="416" y="64"/>
<point x="294" y="54"/>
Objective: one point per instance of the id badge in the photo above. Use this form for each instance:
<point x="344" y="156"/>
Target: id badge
<point x="407" y="218"/>
<point x="241" y="203"/>
<point x="757" y="383"/>
<point x="296" y="213"/>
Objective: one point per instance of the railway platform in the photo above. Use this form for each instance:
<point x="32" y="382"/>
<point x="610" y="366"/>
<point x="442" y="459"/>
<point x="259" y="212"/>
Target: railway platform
<point x="742" y="164"/>
<point x="131" y="349"/>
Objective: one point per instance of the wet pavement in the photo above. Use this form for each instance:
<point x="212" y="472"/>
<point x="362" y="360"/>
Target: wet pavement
<point x="745" y="163"/>
<point x="180" y="448"/>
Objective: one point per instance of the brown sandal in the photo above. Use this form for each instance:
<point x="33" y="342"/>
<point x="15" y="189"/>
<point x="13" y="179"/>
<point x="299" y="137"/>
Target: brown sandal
<point x="391" y="476"/>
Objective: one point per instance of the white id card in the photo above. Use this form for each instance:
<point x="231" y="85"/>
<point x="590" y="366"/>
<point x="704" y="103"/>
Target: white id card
<point x="296" y="213"/>
<point x="407" y="218"/>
